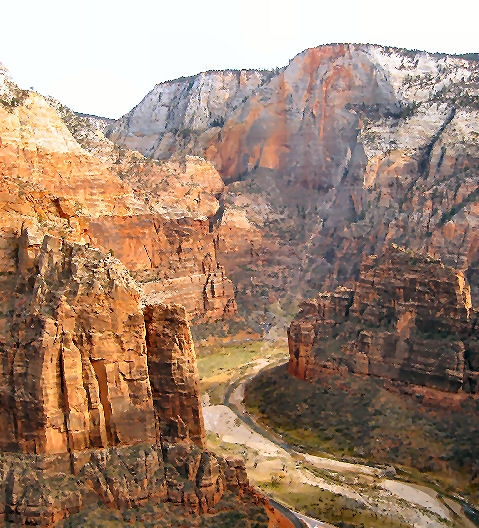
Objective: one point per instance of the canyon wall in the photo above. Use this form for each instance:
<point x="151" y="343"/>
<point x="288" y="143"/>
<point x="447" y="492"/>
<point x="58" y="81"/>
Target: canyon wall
<point x="182" y="116"/>
<point x="99" y="400"/>
<point x="409" y="318"/>
<point x="345" y="150"/>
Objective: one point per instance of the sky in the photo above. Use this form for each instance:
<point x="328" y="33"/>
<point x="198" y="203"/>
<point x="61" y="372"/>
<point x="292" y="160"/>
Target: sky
<point x="103" y="56"/>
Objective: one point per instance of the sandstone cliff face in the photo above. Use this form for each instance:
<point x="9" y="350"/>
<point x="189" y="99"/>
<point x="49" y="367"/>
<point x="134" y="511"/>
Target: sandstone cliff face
<point x="409" y="318"/>
<point x="316" y="321"/>
<point x="174" y="374"/>
<point x="183" y="115"/>
<point x="154" y="217"/>
<point x="80" y="421"/>
<point x="76" y="355"/>
<point x="345" y="150"/>
<point x="101" y="400"/>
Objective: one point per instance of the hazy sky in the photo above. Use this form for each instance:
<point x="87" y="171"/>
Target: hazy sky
<point x="103" y="56"/>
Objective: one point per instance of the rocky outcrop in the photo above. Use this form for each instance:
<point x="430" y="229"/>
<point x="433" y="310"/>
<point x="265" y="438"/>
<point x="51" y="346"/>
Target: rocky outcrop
<point x="409" y="318"/>
<point x="99" y="402"/>
<point x="181" y="116"/>
<point x="77" y="374"/>
<point x="40" y="491"/>
<point x="317" y="320"/>
<point x="173" y="374"/>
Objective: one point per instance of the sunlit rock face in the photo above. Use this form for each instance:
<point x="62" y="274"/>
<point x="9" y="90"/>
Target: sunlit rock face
<point x="155" y="217"/>
<point x="79" y="375"/>
<point x="182" y="116"/>
<point x="409" y="318"/>
<point x="99" y="396"/>
<point x="81" y="422"/>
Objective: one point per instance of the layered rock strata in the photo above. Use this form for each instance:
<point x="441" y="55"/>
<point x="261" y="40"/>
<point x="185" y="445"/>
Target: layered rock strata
<point x="408" y="318"/>
<point x="96" y="404"/>
<point x="183" y="115"/>
<point x="173" y="374"/>
<point x="77" y="373"/>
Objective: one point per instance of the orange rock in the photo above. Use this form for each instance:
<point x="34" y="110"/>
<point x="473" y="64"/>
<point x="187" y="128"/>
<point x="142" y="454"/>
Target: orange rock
<point x="173" y="374"/>
<point x="80" y="376"/>
<point x="154" y="217"/>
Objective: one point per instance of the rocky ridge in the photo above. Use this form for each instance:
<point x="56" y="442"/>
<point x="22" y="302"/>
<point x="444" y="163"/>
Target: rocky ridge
<point x="182" y="116"/>
<point x="347" y="149"/>
<point x="408" y="318"/>
<point x="80" y="421"/>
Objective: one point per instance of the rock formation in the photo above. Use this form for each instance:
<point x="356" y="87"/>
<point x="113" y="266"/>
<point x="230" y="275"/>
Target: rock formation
<point x="77" y="375"/>
<point x="96" y="405"/>
<point x="182" y="116"/>
<point x="408" y="318"/>
<point x="173" y="374"/>
<point x="345" y="150"/>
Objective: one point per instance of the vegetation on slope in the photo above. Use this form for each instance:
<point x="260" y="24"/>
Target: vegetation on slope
<point x="367" y="418"/>
<point x="229" y="513"/>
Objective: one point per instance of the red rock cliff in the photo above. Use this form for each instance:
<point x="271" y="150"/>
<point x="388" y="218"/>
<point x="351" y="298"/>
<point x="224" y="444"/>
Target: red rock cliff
<point x="80" y="421"/>
<point x="95" y="405"/>
<point x="409" y="318"/>
<point x="154" y="217"/>
<point x="78" y="375"/>
<point x="343" y="151"/>
<point x="173" y="373"/>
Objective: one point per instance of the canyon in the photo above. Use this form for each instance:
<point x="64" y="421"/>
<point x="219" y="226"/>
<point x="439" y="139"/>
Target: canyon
<point x="99" y="385"/>
<point x="224" y="199"/>
<point x="345" y="150"/>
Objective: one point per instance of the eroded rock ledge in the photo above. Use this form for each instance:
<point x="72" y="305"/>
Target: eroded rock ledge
<point x="98" y="402"/>
<point x="408" y="318"/>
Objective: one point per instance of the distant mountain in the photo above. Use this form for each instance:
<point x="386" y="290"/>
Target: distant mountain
<point x="345" y="150"/>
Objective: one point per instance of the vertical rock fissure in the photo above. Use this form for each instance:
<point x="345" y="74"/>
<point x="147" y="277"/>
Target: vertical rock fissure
<point x="13" y="406"/>
<point x="424" y="162"/>
<point x="100" y="373"/>
<point x="65" y="407"/>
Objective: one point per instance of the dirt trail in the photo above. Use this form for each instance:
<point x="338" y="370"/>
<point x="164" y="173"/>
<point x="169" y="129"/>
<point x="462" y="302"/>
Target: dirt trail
<point x="268" y="457"/>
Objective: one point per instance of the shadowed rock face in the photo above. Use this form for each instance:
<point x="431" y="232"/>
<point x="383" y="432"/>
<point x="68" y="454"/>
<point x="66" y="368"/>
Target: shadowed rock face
<point x="174" y="374"/>
<point x="409" y="318"/>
